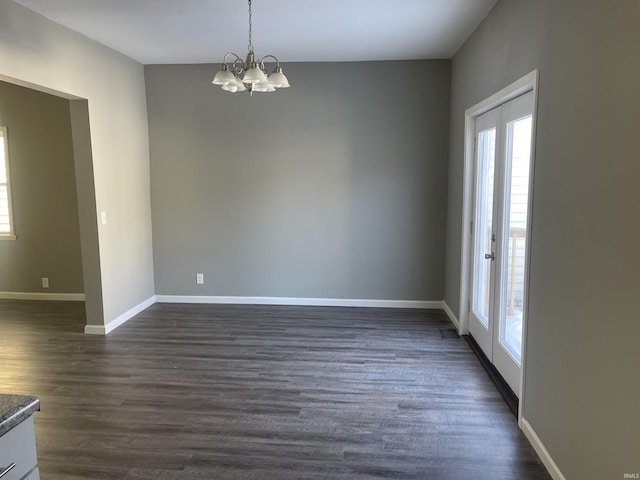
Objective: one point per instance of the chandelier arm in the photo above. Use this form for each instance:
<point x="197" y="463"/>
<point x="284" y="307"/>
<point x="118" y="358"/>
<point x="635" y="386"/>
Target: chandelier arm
<point x="224" y="60"/>
<point x="261" y="61"/>
<point x="238" y="66"/>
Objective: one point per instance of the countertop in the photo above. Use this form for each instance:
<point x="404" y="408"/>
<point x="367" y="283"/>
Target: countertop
<point x="14" y="409"/>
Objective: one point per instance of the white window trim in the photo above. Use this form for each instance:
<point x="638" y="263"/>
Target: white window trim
<point x="12" y="234"/>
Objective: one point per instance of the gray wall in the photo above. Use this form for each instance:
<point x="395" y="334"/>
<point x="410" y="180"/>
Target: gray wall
<point x="334" y="188"/>
<point x="44" y="194"/>
<point x="582" y="385"/>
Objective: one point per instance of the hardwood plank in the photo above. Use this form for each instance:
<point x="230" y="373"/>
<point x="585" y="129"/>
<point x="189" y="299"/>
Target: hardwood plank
<point x="258" y="392"/>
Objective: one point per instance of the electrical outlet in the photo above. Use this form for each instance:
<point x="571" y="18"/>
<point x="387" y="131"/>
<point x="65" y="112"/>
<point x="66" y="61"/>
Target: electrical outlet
<point x="199" y="278"/>
<point x="45" y="282"/>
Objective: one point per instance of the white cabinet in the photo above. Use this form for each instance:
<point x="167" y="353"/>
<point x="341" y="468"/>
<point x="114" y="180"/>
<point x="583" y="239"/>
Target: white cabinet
<point x="18" y="446"/>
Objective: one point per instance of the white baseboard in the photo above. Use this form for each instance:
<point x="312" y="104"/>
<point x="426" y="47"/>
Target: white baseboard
<point x="451" y="316"/>
<point x="61" y="297"/>
<point x="540" y="449"/>
<point x="94" y="330"/>
<point x="294" y="301"/>
<point x="116" y="322"/>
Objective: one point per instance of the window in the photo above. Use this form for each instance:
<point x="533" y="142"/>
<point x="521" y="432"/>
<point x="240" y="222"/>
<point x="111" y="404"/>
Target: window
<point x="6" y="220"/>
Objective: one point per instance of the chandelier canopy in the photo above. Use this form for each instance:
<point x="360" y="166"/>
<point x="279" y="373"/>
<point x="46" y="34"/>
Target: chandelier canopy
<point x="249" y="75"/>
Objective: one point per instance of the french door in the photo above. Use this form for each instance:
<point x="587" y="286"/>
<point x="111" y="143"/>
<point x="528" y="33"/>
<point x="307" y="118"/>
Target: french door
<point x="499" y="234"/>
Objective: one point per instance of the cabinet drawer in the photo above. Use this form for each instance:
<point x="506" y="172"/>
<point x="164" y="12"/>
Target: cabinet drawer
<point x="18" y="446"/>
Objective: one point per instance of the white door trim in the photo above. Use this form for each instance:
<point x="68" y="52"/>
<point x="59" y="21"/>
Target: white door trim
<point x="523" y="85"/>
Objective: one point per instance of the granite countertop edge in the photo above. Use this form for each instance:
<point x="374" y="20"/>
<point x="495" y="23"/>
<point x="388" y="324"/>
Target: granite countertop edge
<point x="14" y="409"/>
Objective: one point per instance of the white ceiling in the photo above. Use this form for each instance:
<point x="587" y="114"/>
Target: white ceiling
<point x="202" y="31"/>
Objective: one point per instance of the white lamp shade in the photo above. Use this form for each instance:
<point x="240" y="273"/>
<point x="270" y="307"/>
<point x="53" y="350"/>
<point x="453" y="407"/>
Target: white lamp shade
<point x="254" y="75"/>
<point x="240" y="85"/>
<point x="223" y="77"/>
<point x="230" y="87"/>
<point x="263" y="87"/>
<point x="279" y="80"/>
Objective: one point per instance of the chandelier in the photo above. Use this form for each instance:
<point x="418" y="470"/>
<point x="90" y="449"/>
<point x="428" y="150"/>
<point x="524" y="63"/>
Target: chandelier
<point x="250" y="74"/>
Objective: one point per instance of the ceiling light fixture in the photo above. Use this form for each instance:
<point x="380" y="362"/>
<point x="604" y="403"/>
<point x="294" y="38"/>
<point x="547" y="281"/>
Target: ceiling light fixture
<point x="250" y="74"/>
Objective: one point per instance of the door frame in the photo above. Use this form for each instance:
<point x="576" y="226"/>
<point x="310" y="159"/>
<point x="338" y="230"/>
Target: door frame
<point x="528" y="83"/>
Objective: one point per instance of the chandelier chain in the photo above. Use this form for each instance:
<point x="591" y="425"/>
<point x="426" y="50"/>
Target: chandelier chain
<point x="250" y="46"/>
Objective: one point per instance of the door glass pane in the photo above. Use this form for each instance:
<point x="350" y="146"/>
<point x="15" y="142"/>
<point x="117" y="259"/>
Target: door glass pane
<point x="3" y="167"/>
<point x="5" y="226"/>
<point x="517" y="182"/>
<point x="483" y="224"/>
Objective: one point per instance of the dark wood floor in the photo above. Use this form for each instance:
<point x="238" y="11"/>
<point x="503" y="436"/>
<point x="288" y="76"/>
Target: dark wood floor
<point x="269" y="393"/>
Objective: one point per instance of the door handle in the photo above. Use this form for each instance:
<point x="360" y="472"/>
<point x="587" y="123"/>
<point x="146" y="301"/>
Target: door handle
<point x="4" y="471"/>
<point x="488" y="256"/>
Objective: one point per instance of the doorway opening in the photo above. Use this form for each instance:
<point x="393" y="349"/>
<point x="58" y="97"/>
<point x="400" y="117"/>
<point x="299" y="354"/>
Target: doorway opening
<point x="64" y="186"/>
